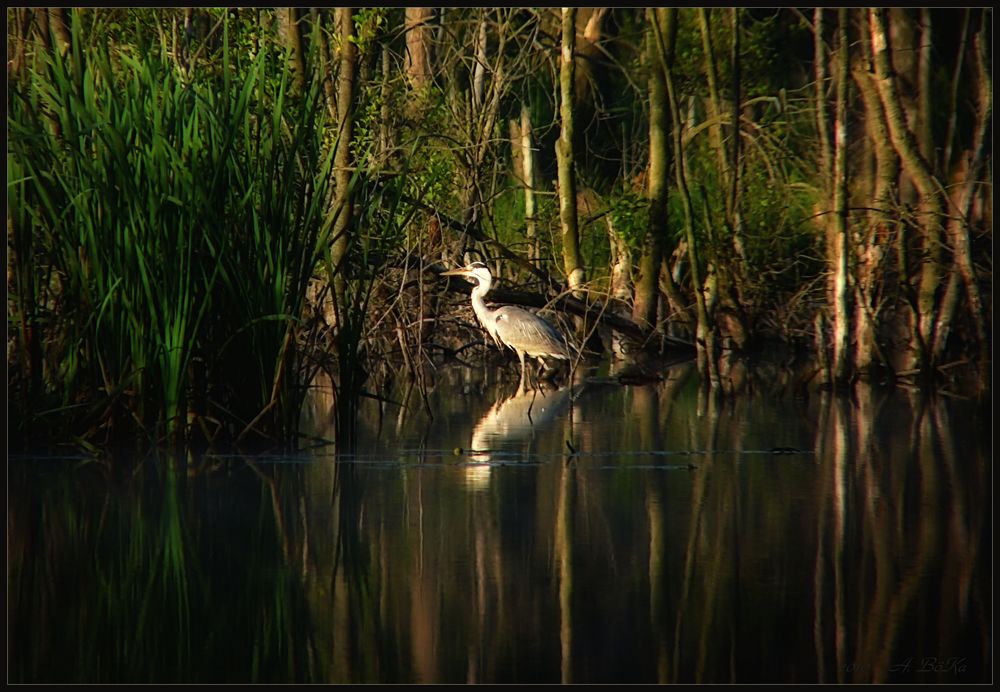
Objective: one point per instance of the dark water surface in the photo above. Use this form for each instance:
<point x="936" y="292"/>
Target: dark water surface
<point x="605" y="534"/>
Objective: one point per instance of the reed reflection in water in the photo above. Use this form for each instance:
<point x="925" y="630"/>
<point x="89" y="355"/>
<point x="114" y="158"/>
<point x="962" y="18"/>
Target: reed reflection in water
<point x="675" y="545"/>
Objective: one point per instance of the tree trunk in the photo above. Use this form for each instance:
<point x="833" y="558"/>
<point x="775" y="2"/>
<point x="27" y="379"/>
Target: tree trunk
<point x="825" y="153"/>
<point x="479" y="67"/>
<point x="523" y="154"/>
<point x="288" y="25"/>
<point x="958" y="223"/>
<point x="59" y="27"/>
<point x="704" y="329"/>
<point x="725" y="252"/>
<point x="564" y="155"/>
<point x="417" y="62"/>
<point x="735" y="215"/>
<point x="714" y="101"/>
<point x="17" y="52"/>
<point x="875" y="250"/>
<point x="388" y="133"/>
<point x="343" y="164"/>
<point x="325" y="62"/>
<point x="728" y="158"/>
<point x="644" y="307"/>
<point x="919" y="171"/>
<point x="841" y="318"/>
<point x="925" y="139"/>
<point x="949" y="137"/>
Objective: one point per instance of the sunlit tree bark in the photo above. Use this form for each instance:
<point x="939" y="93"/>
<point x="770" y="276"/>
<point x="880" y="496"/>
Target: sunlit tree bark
<point x="949" y="136"/>
<point x="958" y="221"/>
<point x="417" y="60"/>
<point x="924" y="95"/>
<point x="530" y="181"/>
<point x="572" y="262"/>
<point x="919" y="171"/>
<point x="841" y="318"/>
<point x="877" y="245"/>
<point x="344" y="21"/>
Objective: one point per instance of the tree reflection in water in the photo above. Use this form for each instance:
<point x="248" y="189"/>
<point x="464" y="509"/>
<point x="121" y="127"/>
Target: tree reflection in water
<point x="865" y="558"/>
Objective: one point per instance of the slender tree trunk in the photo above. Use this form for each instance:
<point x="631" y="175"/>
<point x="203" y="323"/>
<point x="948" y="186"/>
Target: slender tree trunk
<point x="343" y="164"/>
<point x="620" y="263"/>
<point x="728" y="158"/>
<point x="324" y="62"/>
<point x="958" y="223"/>
<point x="59" y="27"/>
<point x="417" y="61"/>
<point x="529" y="181"/>
<point x="841" y="317"/>
<point x="919" y="171"/>
<point x="736" y="146"/>
<point x="714" y="101"/>
<point x="704" y="329"/>
<point x="572" y="262"/>
<point x="825" y="153"/>
<point x="479" y="68"/>
<point x="949" y="137"/>
<point x="676" y="302"/>
<point x="925" y="140"/>
<point x="644" y="309"/>
<point x="388" y="135"/>
<point x="826" y="158"/>
<point x="17" y="52"/>
<point x="872" y="256"/>
<point x="288" y="23"/>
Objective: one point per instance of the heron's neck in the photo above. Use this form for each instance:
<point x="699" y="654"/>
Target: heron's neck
<point x="484" y="314"/>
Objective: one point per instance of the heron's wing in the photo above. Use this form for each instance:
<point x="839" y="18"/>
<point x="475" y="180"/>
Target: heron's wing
<point x="525" y="331"/>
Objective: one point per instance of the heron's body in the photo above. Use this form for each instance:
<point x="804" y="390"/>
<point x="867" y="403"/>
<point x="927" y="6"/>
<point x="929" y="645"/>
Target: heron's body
<point x="523" y="331"/>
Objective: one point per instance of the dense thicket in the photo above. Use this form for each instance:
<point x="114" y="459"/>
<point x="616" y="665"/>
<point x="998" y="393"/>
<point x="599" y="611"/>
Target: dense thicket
<point x="207" y="206"/>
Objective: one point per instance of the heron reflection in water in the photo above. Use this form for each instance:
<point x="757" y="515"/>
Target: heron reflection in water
<point x="506" y="430"/>
<point x="527" y="334"/>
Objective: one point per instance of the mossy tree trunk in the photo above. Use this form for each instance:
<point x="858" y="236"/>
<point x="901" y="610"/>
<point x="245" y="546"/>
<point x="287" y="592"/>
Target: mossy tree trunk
<point x="645" y="301"/>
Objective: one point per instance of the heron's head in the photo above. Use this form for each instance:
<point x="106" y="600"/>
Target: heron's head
<point x="476" y="272"/>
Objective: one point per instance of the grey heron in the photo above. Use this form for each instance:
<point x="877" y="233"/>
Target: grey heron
<point x="523" y="331"/>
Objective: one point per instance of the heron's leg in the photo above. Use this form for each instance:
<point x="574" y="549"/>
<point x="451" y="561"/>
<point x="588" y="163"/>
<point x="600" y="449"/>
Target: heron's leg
<point x="520" y="355"/>
<point x="538" y="374"/>
<point x="542" y="372"/>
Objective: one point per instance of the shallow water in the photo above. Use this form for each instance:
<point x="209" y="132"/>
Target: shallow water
<point x="603" y="533"/>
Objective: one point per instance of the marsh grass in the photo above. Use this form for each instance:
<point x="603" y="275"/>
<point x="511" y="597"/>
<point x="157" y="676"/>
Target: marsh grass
<point x="162" y="231"/>
<point x="117" y="583"/>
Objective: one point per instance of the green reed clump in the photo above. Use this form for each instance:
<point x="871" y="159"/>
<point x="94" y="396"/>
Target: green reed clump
<point x="163" y="230"/>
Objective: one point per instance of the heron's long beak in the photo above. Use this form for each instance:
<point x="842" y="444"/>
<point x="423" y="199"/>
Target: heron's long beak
<point x="461" y="271"/>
